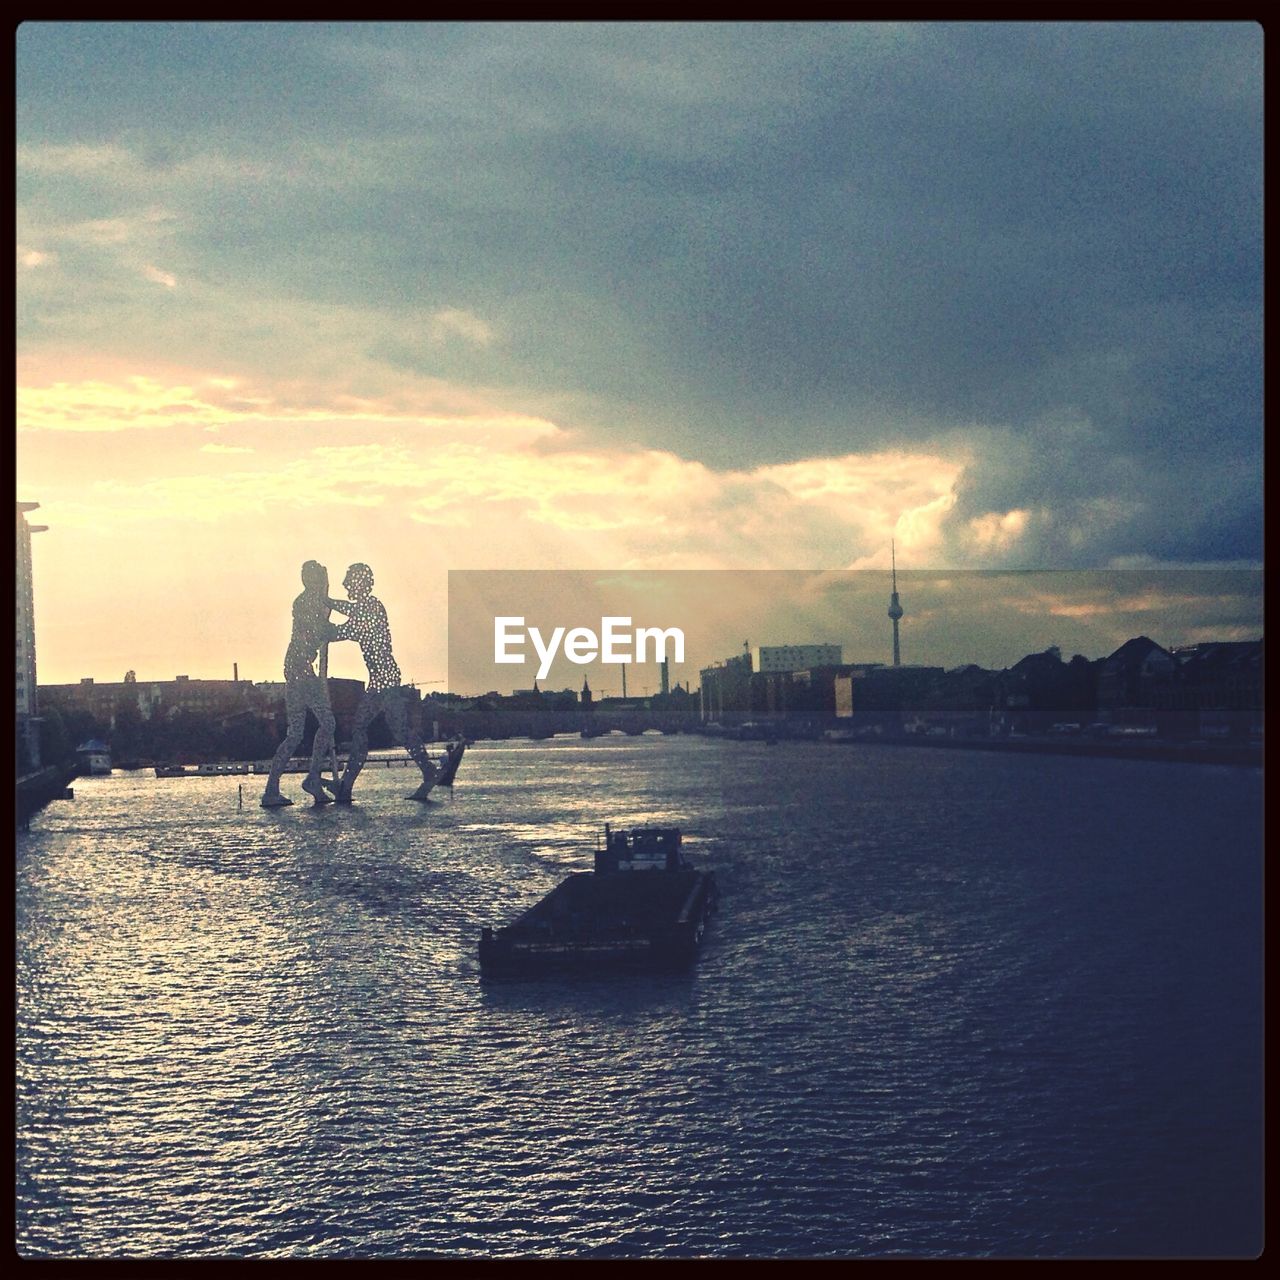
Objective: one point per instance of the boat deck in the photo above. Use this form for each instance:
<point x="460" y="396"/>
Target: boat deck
<point x="588" y="904"/>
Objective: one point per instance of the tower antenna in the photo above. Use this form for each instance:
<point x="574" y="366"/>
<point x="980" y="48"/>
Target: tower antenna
<point x="895" y="605"/>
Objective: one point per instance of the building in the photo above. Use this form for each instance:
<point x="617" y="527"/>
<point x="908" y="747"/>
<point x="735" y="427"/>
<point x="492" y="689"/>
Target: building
<point x="767" y="658"/>
<point x="1134" y="681"/>
<point x="1217" y="689"/>
<point x="26" y="693"/>
<point x="169" y="716"/>
<point x="842" y="687"/>
<point x="811" y="695"/>
<point x="725" y="691"/>
<point x="1040" y="690"/>
<point x="965" y="702"/>
<point x="887" y="696"/>
<point x="103" y="700"/>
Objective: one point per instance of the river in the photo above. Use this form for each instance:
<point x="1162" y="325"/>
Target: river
<point x="953" y="1004"/>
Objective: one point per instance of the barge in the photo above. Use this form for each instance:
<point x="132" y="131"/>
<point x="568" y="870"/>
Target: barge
<point x="643" y="908"/>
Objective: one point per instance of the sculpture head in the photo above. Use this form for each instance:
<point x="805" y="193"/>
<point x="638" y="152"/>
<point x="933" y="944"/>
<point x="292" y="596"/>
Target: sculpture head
<point x="359" y="581"/>
<point x="315" y="577"/>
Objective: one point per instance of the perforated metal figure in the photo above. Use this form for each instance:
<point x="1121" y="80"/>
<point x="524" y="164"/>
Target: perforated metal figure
<point x="367" y="625"/>
<point x="303" y="689"/>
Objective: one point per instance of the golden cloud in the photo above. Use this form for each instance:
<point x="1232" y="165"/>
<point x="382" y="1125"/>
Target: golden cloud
<point x="499" y="479"/>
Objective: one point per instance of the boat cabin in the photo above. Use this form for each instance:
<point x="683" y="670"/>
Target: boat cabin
<point x="640" y="849"/>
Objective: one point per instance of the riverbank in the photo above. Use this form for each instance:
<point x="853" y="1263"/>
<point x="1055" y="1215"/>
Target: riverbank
<point x="35" y="790"/>
<point x="1239" y="753"/>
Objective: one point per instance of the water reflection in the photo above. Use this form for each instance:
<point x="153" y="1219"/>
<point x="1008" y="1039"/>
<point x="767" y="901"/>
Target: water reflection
<point x="917" y="1027"/>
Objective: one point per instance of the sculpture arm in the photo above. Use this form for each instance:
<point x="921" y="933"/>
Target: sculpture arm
<point x="349" y="630"/>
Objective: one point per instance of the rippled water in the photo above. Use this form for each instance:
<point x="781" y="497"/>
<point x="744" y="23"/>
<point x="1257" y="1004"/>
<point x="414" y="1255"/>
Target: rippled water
<point x="953" y="1003"/>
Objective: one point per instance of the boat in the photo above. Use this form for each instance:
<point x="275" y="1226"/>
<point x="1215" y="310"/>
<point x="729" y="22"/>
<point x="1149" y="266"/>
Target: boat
<point x="171" y="771"/>
<point x="94" y="757"/>
<point x="643" y="907"/>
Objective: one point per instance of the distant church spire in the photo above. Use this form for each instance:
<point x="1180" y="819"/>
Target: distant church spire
<point x="895" y="605"/>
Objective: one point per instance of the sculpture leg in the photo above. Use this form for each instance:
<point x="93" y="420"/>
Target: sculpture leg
<point x="398" y="723"/>
<point x="366" y="713"/>
<point x="295" y="704"/>
<point x="322" y="746"/>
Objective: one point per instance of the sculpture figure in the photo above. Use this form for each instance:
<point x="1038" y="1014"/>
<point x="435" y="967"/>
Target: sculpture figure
<point x="304" y="690"/>
<point x="367" y="625"/>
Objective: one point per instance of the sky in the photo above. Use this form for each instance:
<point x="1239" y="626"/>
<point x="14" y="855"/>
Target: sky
<point x="620" y="296"/>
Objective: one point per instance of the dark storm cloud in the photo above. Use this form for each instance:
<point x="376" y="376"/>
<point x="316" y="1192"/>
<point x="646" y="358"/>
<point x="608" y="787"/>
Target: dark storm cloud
<point x="1036" y="244"/>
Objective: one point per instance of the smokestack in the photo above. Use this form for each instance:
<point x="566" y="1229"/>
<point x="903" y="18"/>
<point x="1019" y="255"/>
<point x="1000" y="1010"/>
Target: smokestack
<point x="235" y="672"/>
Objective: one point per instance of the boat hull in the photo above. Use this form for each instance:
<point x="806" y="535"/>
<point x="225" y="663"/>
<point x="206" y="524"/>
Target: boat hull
<point x="647" y="921"/>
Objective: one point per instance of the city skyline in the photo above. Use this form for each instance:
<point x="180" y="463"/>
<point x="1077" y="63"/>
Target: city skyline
<point x="989" y="618"/>
<point x="1009" y="614"/>
<point x="607" y="297"/>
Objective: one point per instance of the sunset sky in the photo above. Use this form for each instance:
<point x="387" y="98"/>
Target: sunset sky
<point x="483" y="296"/>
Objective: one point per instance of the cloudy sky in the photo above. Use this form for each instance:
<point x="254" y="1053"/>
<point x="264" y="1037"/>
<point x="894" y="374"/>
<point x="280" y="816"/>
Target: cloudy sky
<point x="620" y="296"/>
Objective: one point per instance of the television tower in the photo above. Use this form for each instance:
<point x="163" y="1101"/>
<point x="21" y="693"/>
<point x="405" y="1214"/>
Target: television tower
<point x="895" y="606"/>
